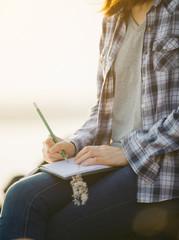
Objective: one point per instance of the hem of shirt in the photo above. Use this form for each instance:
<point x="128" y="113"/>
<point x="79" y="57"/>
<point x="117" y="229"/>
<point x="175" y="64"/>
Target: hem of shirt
<point x="147" y="200"/>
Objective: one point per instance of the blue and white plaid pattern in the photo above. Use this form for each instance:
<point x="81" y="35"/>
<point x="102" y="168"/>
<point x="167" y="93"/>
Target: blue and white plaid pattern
<point x="152" y="152"/>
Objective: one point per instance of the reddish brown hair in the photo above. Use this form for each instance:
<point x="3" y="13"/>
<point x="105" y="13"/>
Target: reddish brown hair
<point x="123" y="7"/>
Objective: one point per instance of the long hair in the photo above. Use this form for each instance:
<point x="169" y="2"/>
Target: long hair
<point x="123" y="7"/>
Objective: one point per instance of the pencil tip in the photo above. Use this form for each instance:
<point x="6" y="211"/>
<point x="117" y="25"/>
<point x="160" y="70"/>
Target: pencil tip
<point x="35" y="105"/>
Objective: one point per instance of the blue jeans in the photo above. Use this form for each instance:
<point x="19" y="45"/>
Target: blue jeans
<point x="40" y="207"/>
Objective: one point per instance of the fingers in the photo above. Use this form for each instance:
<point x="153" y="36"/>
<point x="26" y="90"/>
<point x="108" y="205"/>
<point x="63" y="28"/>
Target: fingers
<point x="93" y="161"/>
<point x="84" y="154"/>
<point x="82" y="158"/>
<point x="51" y="146"/>
<point x="49" y="158"/>
<point x="49" y="142"/>
<point x="91" y="150"/>
<point x="103" y="154"/>
<point x="55" y="148"/>
<point x="88" y="152"/>
<point x="53" y="157"/>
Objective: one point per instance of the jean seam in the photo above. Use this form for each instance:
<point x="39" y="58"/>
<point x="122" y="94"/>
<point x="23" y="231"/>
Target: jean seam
<point x="28" y="212"/>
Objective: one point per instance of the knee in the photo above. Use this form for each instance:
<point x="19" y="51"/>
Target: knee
<point x="25" y="188"/>
<point x="24" y="191"/>
<point x="16" y="193"/>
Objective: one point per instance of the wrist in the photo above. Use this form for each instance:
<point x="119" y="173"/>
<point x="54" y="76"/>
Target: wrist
<point x="73" y="147"/>
<point x="123" y="156"/>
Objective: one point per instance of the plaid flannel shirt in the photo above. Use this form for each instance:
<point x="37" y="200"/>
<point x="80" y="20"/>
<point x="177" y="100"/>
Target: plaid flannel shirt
<point x="153" y="152"/>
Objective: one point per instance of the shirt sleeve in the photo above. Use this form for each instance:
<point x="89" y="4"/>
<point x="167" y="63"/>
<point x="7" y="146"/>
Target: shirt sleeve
<point x="143" y="148"/>
<point x="86" y="134"/>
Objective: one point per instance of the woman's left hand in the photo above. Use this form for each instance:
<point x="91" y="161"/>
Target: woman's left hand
<point x="107" y="155"/>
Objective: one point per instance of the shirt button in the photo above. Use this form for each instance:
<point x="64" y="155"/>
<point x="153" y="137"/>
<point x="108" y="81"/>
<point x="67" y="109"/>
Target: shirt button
<point x="149" y="29"/>
<point x="110" y="59"/>
<point x="143" y="106"/>
<point x="145" y="52"/>
<point x="144" y="79"/>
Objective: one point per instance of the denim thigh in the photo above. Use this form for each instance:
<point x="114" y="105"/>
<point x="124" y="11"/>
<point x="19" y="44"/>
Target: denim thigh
<point x="30" y="203"/>
<point x="108" y="213"/>
<point x="112" y="213"/>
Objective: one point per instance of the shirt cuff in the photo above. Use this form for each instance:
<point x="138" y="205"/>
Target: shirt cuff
<point x="142" y="163"/>
<point x="77" y="142"/>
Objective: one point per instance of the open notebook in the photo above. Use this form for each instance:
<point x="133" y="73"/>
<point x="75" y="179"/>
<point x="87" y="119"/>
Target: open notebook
<point x="68" y="169"/>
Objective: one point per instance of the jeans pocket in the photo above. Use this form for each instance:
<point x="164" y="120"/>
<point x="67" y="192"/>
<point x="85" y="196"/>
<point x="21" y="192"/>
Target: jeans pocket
<point x="166" y="54"/>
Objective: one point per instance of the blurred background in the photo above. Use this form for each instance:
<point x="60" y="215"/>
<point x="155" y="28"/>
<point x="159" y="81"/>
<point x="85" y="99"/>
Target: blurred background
<point x="48" y="54"/>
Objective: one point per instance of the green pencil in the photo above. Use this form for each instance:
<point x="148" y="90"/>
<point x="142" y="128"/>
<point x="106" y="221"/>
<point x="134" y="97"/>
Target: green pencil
<point x="49" y="129"/>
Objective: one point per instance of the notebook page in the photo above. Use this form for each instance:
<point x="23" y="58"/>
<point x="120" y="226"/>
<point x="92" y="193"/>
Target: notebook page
<point x="69" y="168"/>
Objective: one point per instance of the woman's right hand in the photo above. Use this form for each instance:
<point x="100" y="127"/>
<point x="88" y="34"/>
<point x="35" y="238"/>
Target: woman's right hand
<point x="52" y="151"/>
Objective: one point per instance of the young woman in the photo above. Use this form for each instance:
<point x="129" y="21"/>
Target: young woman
<point x="135" y="125"/>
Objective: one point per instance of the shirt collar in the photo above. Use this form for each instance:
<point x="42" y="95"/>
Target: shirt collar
<point x="170" y="5"/>
<point x="157" y="2"/>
